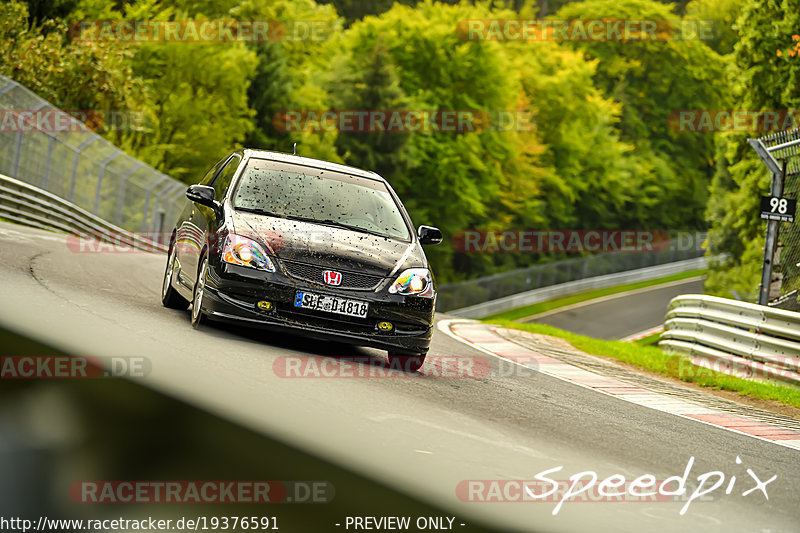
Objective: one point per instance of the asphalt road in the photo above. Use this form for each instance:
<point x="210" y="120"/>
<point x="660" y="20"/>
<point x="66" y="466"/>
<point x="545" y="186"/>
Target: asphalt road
<point x="619" y="315"/>
<point x="422" y="435"/>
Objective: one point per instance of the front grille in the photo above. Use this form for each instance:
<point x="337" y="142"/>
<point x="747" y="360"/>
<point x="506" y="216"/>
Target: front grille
<point x="314" y="274"/>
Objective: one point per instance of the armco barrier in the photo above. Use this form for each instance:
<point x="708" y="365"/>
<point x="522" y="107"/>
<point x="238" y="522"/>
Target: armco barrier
<point x="32" y="206"/>
<point x="733" y="337"/>
<point x="521" y="283"/>
<point x="66" y="158"/>
<point x="573" y="287"/>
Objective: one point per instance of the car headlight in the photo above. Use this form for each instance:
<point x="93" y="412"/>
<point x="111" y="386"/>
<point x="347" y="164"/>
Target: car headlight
<point x="242" y="251"/>
<point x="413" y="281"/>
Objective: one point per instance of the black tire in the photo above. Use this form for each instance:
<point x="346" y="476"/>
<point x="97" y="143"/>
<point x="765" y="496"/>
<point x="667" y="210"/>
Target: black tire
<point x="169" y="296"/>
<point x="408" y="362"/>
<point x="198" y="318"/>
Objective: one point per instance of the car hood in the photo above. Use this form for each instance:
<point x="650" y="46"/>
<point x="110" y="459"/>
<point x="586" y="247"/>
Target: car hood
<point x="328" y="246"/>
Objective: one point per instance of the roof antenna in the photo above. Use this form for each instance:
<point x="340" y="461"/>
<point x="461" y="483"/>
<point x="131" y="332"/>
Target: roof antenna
<point x="294" y="149"/>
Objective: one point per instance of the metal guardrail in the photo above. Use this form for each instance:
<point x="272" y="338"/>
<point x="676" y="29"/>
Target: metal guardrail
<point x="737" y="338"/>
<point x="32" y="206"/>
<point x="560" y="290"/>
<point x="50" y="149"/>
<point x="507" y="285"/>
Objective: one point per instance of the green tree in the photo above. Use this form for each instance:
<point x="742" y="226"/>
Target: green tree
<point x="290" y="71"/>
<point x="593" y="181"/>
<point x="652" y="79"/>
<point x="456" y="179"/>
<point x="370" y="84"/>
<point x="721" y="16"/>
<point x="765" y="80"/>
<point x="201" y="114"/>
<point x="270" y="93"/>
<point x="75" y="76"/>
<point x="41" y="10"/>
<point x="197" y="92"/>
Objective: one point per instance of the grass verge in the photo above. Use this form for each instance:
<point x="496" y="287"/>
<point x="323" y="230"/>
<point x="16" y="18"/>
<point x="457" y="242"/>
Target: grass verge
<point x="541" y="307"/>
<point x="650" y="340"/>
<point x="653" y="359"/>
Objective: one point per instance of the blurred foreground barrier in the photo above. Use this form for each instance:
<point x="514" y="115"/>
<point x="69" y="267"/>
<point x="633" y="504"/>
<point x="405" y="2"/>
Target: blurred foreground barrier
<point x="737" y="338"/>
<point x="32" y="206"/>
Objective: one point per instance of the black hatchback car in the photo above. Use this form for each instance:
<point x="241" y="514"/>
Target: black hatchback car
<point x="280" y="241"/>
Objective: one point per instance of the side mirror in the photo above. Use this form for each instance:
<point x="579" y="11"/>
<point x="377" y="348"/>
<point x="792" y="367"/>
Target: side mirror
<point x="429" y="235"/>
<point x="203" y="195"/>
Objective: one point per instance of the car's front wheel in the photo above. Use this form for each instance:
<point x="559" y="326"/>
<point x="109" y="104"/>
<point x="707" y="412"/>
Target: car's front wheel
<point x="197" y="295"/>
<point x="406" y="362"/>
<point x="169" y="296"/>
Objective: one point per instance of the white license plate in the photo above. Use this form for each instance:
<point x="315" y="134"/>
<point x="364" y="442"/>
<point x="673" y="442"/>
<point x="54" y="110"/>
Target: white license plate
<point x="331" y="304"/>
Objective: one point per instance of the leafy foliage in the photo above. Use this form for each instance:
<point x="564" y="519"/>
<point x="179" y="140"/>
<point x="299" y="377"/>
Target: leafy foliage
<point x="75" y="76"/>
<point x="765" y="80"/>
<point x="591" y="146"/>
<point x="652" y="79"/>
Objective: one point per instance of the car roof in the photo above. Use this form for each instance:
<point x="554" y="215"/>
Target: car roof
<point x="310" y="162"/>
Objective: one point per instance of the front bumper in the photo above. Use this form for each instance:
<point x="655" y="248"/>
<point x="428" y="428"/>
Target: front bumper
<point x="233" y="292"/>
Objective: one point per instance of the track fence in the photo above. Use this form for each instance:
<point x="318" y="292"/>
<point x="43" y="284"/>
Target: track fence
<point x="472" y="292"/>
<point x="780" y="284"/>
<point x="52" y="150"/>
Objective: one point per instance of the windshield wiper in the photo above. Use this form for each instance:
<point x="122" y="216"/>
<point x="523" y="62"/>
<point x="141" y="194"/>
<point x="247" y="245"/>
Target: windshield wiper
<point x="326" y="221"/>
<point x="354" y="228"/>
<point x="334" y="223"/>
<point x="258" y="211"/>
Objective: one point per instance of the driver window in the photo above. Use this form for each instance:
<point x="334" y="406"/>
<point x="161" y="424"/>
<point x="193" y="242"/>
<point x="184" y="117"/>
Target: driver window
<point x="223" y="179"/>
<point x="209" y="176"/>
